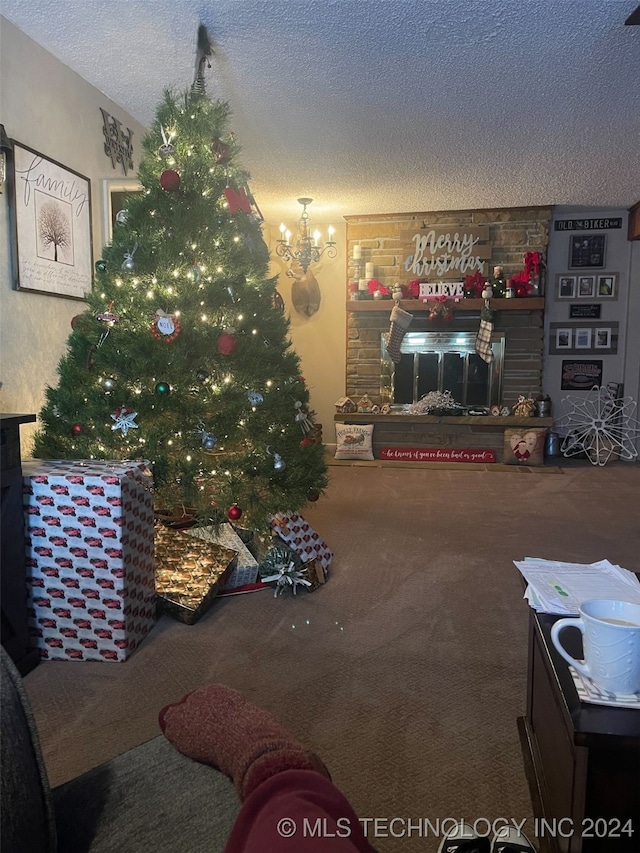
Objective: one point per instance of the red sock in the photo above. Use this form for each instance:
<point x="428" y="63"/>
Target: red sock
<point x="218" y="725"/>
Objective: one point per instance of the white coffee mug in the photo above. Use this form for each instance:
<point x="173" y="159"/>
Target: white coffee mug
<point x="611" y="644"/>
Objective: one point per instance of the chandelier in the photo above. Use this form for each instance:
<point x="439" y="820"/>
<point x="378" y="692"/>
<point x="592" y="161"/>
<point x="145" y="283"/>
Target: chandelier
<point x="306" y="248"/>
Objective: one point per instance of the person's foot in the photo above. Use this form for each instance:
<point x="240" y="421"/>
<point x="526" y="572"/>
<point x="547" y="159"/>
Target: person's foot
<point x="508" y="839"/>
<point x="463" y="839"/>
<point x="217" y="725"/>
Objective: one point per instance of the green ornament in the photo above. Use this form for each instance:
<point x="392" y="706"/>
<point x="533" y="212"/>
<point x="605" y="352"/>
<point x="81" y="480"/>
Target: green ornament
<point x="163" y="388"/>
<point x="101" y="265"/>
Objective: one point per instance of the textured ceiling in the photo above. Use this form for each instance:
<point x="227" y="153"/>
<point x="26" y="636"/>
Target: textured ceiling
<point x="372" y="106"/>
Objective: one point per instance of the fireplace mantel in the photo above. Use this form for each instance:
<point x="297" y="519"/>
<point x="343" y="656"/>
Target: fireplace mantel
<point x="415" y="306"/>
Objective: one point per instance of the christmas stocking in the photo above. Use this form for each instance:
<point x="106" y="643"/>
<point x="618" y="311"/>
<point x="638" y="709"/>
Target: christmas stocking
<point x="483" y="339"/>
<point x="400" y="322"/>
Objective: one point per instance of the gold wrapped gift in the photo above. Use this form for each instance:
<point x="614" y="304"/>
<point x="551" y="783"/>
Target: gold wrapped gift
<point x="314" y="572"/>
<point x="189" y="573"/>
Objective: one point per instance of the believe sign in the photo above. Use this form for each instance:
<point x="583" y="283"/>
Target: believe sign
<point x="446" y="252"/>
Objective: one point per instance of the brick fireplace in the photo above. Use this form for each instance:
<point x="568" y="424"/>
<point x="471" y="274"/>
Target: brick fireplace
<point x="518" y="327"/>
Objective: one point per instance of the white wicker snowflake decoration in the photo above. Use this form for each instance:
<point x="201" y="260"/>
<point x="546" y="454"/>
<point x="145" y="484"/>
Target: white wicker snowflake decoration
<point x="599" y="426"/>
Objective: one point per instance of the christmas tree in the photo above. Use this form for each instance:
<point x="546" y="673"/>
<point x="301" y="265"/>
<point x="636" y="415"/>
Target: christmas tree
<point x="182" y="356"/>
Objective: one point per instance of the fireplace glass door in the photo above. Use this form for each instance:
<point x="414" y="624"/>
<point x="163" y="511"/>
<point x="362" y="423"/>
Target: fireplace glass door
<point x="443" y="361"/>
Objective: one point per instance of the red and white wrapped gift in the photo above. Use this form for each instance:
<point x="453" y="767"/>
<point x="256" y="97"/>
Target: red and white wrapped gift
<point x="89" y="529"/>
<point x="302" y="538"/>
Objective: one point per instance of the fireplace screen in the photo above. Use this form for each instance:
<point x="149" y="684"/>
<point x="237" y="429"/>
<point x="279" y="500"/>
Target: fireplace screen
<point x="443" y="361"/>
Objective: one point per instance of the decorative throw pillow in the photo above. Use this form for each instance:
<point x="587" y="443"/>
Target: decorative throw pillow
<point x="524" y="446"/>
<point x="354" y="441"/>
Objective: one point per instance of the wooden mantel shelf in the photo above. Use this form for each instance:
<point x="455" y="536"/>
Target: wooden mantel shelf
<point x="489" y="421"/>
<point x="527" y="303"/>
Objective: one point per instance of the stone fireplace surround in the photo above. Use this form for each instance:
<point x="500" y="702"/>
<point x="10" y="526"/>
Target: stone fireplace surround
<point x="512" y="232"/>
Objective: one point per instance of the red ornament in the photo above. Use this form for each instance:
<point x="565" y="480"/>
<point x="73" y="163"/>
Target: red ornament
<point x="76" y="429"/>
<point x="307" y="440"/>
<point x="227" y="342"/>
<point x="234" y="512"/>
<point x="170" y="180"/>
<point x="237" y="200"/>
<point x="313" y="496"/>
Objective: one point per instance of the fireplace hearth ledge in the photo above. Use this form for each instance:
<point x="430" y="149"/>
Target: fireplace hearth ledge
<point x="478" y="432"/>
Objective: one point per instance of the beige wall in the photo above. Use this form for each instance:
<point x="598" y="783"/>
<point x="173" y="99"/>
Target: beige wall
<point x="319" y="340"/>
<point x="46" y="106"/>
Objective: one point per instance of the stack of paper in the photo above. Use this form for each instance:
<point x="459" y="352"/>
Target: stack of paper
<point x="555" y="587"/>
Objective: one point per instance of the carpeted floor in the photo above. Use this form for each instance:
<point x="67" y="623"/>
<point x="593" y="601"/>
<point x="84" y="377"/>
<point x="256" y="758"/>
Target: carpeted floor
<point x="407" y="671"/>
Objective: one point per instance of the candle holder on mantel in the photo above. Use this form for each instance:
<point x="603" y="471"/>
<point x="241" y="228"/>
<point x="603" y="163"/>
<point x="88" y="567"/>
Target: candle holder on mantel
<point x="357" y="270"/>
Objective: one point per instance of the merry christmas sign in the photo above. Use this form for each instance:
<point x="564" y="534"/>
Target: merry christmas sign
<point x="445" y="252"/>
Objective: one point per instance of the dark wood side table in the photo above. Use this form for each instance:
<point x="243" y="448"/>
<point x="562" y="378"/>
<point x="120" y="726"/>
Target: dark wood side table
<point x="582" y="760"/>
<point x="13" y="587"/>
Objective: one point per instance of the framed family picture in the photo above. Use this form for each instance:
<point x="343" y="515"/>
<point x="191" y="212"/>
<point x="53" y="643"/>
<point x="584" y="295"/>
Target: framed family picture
<point x="586" y="285"/>
<point x="606" y="288"/>
<point x="583" y="339"/>
<point x="586" y="250"/>
<point x="602" y="339"/>
<point x="566" y="287"/>
<point x="52" y="226"/>
<point x="564" y="338"/>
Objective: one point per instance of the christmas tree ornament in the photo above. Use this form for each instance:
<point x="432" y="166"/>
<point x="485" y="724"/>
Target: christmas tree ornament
<point x="124" y="419"/>
<point x="227" y="342"/>
<point x="122" y="216"/>
<point x="278" y="462"/>
<point x="255" y="398"/>
<point x="77" y="429"/>
<point x="207" y="438"/>
<point x="162" y="389"/>
<point x="234" y="513"/>
<point x="209" y="441"/>
<point x="302" y="418"/>
<point x="400" y="321"/>
<point x="165" y="327"/>
<point x="307" y="440"/>
<point x="202" y="375"/>
<point x="221" y="151"/>
<point x="166" y="149"/>
<point x="313" y="496"/>
<point x="128" y="264"/>
<point x="108" y="319"/>
<point x="101" y="265"/>
<point x="195" y="273"/>
<point x="108" y="384"/>
<point x="170" y="180"/>
<point x="237" y="200"/>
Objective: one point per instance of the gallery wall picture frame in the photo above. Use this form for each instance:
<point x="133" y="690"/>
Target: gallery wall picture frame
<point x="114" y="194"/>
<point x="51" y="224"/>
<point x="587" y="251"/>
<point x="586" y="286"/>
<point x="583" y="339"/>
<point x="606" y="286"/>
<point x="564" y="338"/>
<point x="602" y="339"/>
<point x="580" y="375"/>
<point x="588" y="337"/>
<point x="567" y="286"/>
